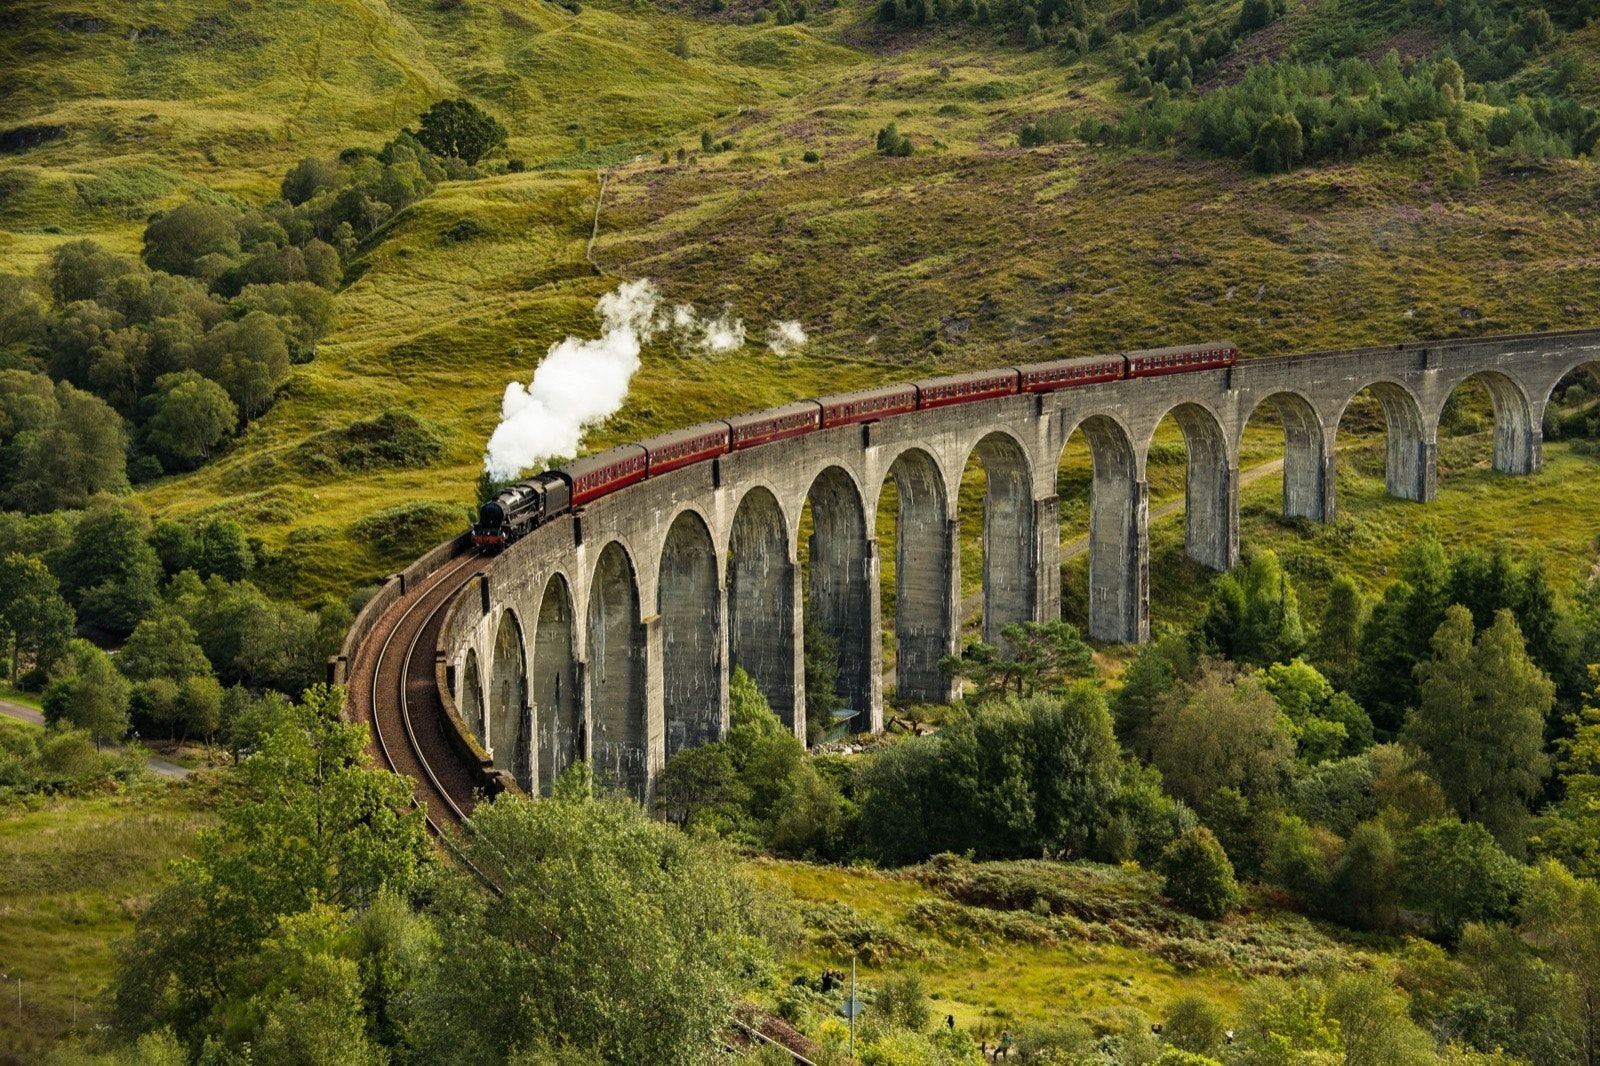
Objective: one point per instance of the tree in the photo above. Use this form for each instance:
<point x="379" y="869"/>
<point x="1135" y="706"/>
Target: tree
<point x="1197" y="876"/>
<point x="1032" y="656"/>
<point x="313" y="824"/>
<point x="1339" y="636"/>
<point x="1324" y="724"/>
<point x="163" y="645"/>
<point x="221" y="549"/>
<point x="1454" y="872"/>
<point x="176" y="240"/>
<point x="1280" y="143"/>
<point x="1194" y="1024"/>
<point x="1480" y="720"/>
<point x="307" y="178"/>
<point x="1569" y="830"/>
<point x="626" y="939"/>
<point x="822" y="679"/>
<point x="108" y="569"/>
<point x="1253" y="615"/>
<point x="249" y="358"/>
<point x="1221" y="732"/>
<point x="1363" y="890"/>
<point x="34" y="618"/>
<point x="460" y="129"/>
<point x="58" y="445"/>
<point x="1559" y="915"/>
<point x="1160" y="667"/>
<point x="87" y="691"/>
<point x="188" y="416"/>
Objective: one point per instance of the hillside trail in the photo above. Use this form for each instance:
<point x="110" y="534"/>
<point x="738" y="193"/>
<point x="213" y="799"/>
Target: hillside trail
<point x="973" y="603"/>
<point x="159" y="766"/>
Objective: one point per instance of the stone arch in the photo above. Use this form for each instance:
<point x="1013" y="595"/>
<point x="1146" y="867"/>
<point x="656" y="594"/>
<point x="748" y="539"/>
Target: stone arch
<point x="924" y="577"/>
<point x="1307" y="484"/>
<point x="1010" y="577"/>
<point x="1516" y="434"/>
<point x="509" y="734"/>
<point x="1409" y="461"/>
<point x="470" y="696"/>
<point x="689" y="604"/>
<point x="761" y="603"/>
<point x="616" y="676"/>
<point x="1118" y="549"/>
<point x="1211" y="536"/>
<point x="557" y="703"/>
<point x="842" y="587"/>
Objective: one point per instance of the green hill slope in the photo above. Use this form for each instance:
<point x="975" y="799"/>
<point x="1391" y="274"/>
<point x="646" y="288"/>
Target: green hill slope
<point x="971" y="251"/>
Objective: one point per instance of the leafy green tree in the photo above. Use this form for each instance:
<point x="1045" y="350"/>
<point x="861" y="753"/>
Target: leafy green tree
<point x="1325" y="724"/>
<point x="1559" y="914"/>
<point x="1222" y="732"/>
<point x="87" y="691"/>
<point x="1456" y="873"/>
<point x="81" y="270"/>
<point x="163" y="645"/>
<point x="108" y="570"/>
<point x="1569" y="830"/>
<point x="1194" y="1024"/>
<point x="1480" y="720"/>
<point x="58" y="445"/>
<point x="460" y="129"/>
<point x="1338" y="640"/>
<point x="1398" y="632"/>
<point x="313" y="824"/>
<point x="822" y="679"/>
<point x="1197" y="876"/>
<point x="249" y="358"/>
<point x="306" y="311"/>
<point x="1280" y="144"/>
<point x="1033" y="656"/>
<point x="627" y="940"/>
<point x="700" y="787"/>
<point x="221" y="549"/>
<point x="176" y="240"/>
<point x="35" y="620"/>
<point x="1363" y="889"/>
<point x="188" y="416"/>
<point x="1297" y="858"/>
<point x="1160" y="667"/>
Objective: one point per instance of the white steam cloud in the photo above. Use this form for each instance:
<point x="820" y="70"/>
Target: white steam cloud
<point x="578" y="385"/>
<point x="723" y="333"/>
<point x="581" y="383"/>
<point x="784" y="337"/>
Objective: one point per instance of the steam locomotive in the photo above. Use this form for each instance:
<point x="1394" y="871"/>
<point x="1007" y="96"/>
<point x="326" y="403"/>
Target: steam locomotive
<point x="527" y="505"/>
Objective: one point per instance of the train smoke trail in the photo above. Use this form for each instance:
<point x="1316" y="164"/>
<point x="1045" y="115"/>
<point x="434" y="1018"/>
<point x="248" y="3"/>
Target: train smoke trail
<point x="578" y="385"/>
<point x="784" y="337"/>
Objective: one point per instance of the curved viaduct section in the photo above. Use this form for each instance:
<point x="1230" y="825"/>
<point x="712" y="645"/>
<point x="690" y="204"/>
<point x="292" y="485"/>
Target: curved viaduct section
<point x="609" y="634"/>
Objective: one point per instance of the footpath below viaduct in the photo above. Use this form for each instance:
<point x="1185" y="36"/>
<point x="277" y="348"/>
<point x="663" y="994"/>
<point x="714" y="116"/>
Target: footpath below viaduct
<point x="610" y="634"/>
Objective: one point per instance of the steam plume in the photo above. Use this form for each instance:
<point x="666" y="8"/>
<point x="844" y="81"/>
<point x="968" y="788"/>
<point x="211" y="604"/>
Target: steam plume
<point x="578" y="385"/>
<point x="784" y="337"/>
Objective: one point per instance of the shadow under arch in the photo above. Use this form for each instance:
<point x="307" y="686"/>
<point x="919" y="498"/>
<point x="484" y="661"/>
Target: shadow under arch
<point x="470" y="696"/>
<point x="841" y="593"/>
<point x="1118" y="612"/>
<point x="616" y="681"/>
<point x="924" y="578"/>
<point x="1210" y="536"/>
<point x="1307" y="490"/>
<point x="688" y="603"/>
<point x="557" y="708"/>
<point x="1010" y="533"/>
<point x="1408" y="462"/>
<point x="761" y="598"/>
<point x="510" y="734"/>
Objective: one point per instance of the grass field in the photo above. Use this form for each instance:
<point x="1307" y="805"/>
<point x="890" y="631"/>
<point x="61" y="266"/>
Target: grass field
<point x="74" y="872"/>
<point x="1116" y="948"/>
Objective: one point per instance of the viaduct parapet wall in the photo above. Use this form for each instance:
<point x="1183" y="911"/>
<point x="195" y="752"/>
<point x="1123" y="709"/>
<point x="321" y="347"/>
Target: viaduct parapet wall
<point x="610" y="634"/>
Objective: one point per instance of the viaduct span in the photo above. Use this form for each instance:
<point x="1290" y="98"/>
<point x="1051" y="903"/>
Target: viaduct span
<point x="610" y="633"/>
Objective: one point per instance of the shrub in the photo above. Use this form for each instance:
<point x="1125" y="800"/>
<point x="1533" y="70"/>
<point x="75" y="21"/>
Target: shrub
<point x="1197" y="875"/>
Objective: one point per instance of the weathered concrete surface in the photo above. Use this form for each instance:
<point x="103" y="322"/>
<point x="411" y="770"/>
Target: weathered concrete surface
<point x="641" y="605"/>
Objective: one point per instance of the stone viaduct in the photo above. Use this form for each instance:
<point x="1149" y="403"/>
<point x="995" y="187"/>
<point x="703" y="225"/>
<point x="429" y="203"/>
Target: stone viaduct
<point x="610" y="634"/>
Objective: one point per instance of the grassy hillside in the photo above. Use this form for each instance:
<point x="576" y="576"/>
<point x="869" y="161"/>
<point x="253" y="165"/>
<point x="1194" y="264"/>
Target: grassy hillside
<point x="972" y="251"/>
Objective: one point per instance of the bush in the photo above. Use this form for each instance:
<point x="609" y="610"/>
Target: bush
<point x="1198" y="877"/>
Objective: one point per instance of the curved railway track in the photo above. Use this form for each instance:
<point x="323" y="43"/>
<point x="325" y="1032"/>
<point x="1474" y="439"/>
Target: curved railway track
<point x="391" y="686"/>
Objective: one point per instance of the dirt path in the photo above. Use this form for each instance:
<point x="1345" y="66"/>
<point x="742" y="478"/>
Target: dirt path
<point x="156" y="764"/>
